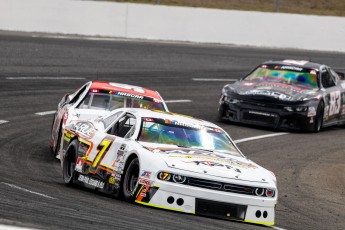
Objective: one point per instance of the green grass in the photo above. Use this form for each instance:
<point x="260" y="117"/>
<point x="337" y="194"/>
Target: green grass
<point x="316" y="7"/>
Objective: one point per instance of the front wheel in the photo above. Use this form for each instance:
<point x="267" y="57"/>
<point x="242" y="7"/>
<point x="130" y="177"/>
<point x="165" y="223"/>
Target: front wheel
<point x="221" y="114"/>
<point x="69" y="163"/>
<point x="319" y="118"/>
<point x="130" y="181"/>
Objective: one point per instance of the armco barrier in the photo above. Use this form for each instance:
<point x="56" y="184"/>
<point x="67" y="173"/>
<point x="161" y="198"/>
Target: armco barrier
<point x="174" y="23"/>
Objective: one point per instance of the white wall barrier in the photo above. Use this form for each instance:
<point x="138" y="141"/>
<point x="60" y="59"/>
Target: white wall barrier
<point x="174" y="23"/>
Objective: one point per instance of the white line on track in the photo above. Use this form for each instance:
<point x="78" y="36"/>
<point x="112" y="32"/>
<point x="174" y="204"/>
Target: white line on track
<point x="45" y="78"/>
<point x="178" y="101"/>
<point x="258" y="137"/>
<point x="45" y="113"/>
<point x="3" y="122"/>
<point x="214" y="79"/>
<point x="27" y="190"/>
<point x="277" y="228"/>
<point x="8" y="227"/>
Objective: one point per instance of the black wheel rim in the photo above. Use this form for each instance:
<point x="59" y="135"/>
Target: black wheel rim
<point x="133" y="180"/>
<point x="70" y="165"/>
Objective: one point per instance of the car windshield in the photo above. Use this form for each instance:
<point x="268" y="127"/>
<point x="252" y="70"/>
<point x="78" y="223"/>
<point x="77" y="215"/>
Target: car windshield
<point x="103" y="101"/>
<point x="185" y="135"/>
<point x="303" y="77"/>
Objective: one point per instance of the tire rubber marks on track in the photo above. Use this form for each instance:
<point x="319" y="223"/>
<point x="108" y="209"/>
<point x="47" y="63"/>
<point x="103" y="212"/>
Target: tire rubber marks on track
<point x="258" y="137"/>
<point x="3" y="122"/>
<point x="45" y="78"/>
<point x="27" y="190"/>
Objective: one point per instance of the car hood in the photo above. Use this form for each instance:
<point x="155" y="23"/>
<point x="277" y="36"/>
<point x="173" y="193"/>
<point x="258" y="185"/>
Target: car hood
<point x="211" y="163"/>
<point x="271" y="90"/>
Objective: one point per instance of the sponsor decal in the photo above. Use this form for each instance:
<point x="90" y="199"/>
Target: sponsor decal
<point x="277" y="85"/>
<point x="268" y="93"/>
<point x="90" y="181"/>
<point x="79" y="164"/>
<point x="145" y="181"/>
<point x="143" y="192"/>
<point x="216" y="165"/>
<point x="262" y="113"/>
<point x="177" y="123"/>
<point x="129" y="95"/>
<point x="84" y="128"/>
<point x="145" y="174"/>
<point x="111" y="180"/>
<point x="294" y="68"/>
<point x="211" y="157"/>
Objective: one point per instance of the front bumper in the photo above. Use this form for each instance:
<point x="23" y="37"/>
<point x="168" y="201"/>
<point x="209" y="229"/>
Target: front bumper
<point x="201" y="201"/>
<point x="265" y="114"/>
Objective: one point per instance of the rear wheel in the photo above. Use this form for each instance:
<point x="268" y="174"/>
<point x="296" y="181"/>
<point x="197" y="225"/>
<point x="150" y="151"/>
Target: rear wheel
<point x="130" y="181"/>
<point x="69" y="163"/>
<point x="58" y="140"/>
<point x="319" y="118"/>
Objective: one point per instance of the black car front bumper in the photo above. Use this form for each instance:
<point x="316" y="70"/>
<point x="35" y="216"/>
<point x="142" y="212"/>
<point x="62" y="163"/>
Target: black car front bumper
<point x="265" y="114"/>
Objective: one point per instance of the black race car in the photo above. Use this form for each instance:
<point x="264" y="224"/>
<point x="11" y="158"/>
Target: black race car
<point x="286" y="94"/>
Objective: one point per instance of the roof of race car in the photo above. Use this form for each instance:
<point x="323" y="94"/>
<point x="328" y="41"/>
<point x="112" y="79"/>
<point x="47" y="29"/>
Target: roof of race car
<point x="299" y="63"/>
<point x="166" y="116"/>
<point x="137" y="90"/>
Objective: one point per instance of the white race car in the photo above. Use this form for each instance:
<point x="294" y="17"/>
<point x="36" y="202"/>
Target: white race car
<point x="168" y="161"/>
<point x="97" y="98"/>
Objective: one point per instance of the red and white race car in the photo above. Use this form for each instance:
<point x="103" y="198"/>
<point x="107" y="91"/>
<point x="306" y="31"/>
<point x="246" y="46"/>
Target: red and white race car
<point x="96" y="98"/>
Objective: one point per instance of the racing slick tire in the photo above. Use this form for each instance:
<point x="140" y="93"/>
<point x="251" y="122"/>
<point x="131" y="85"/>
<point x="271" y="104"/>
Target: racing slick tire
<point x="69" y="163"/>
<point x="220" y="115"/>
<point x="319" y="118"/>
<point x="130" y="180"/>
<point x="58" y="142"/>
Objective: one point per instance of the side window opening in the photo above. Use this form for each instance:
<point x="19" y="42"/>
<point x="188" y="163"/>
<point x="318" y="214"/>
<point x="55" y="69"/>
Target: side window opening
<point x="326" y="79"/>
<point x="124" y="127"/>
<point x="77" y="95"/>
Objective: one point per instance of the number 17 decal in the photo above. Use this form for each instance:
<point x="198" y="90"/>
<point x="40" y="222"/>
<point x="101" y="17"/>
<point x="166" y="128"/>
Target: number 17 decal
<point x="102" y="148"/>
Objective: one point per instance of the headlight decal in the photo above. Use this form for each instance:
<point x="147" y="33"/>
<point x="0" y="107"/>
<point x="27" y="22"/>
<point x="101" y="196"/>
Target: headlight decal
<point x="214" y="185"/>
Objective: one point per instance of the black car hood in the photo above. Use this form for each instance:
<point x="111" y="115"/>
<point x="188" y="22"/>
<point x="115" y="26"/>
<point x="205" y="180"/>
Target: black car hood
<point x="270" y="91"/>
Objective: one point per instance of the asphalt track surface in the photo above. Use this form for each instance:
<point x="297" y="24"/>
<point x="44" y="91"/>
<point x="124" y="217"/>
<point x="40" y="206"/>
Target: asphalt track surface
<point x="310" y="168"/>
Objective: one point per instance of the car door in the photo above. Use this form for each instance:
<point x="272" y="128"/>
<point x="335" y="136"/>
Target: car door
<point x="340" y="83"/>
<point x="121" y="132"/>
<point x="333" y="96"/>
